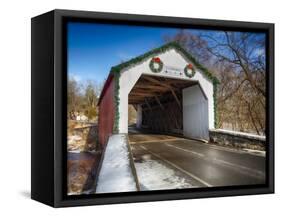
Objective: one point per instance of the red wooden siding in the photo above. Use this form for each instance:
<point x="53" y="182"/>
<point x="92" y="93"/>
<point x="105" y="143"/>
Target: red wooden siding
<point x="106" y="112"/>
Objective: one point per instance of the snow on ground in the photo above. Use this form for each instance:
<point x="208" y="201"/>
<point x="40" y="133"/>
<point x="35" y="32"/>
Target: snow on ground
<point x="255" y="152"/>
<point x="73" y="139"/>
<point x="236" y="133"/>
<point x="155" y="176"/>
<point x="116" y="174"/>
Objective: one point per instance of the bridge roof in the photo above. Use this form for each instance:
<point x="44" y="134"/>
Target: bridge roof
<point x="118" y="68"/>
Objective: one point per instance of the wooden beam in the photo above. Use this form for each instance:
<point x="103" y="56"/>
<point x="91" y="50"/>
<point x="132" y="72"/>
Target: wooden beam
<point x="155" y="81"/>
<point x="149" y="86"/>
<point x="142" y="94"/>
<point x="135" y="96"/>
<point x="176" y="98"/>
<point x="135" y="102"/>
<point x="165" y="85"/>
<point x="175" y="81"/>
<point x="146" y="102"/>
<point x="148" y="91"/>
<point x="158" y="101"/>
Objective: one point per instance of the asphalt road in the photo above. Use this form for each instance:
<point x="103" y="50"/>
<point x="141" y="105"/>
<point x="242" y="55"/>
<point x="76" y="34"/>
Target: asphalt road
<point x="207" y="165"/>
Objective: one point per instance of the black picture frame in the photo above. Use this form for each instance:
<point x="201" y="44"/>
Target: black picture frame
<point x="48" y="69"/>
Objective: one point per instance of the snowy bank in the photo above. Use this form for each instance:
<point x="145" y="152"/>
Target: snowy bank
<point x="239" y="140"/>
<point x="155" y="176"/>
<point x="236" y="133"/>
<point x="116" y="174"/>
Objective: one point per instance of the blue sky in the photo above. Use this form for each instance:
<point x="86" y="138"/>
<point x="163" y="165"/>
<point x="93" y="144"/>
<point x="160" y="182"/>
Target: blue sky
<point x="94" y="48"/>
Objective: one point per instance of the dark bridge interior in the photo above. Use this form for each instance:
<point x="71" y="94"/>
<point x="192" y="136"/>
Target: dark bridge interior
<point x="161" y="102"/>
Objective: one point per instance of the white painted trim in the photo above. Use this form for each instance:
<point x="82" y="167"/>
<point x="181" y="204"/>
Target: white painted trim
<point x="171" y="58"/>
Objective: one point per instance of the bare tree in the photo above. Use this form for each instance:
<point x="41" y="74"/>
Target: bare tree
<point x="83" y="97"/>
<point x="238" y="59"/>
<point x="193" y="43"/>
<point x="245" y="52"/>
<point x="73" y="95"/>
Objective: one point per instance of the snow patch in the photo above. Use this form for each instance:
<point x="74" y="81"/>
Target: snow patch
<point x="256" y="152"/>
<point x="236" y="133"/>
<point x="116" y="174"/>
<point x="155" y="176"/>
<point x="73" y="139"/>
<point x="76" y="151"/>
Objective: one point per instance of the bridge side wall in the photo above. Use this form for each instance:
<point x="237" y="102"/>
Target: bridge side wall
<point x="106" y="114"/>
<point x="237" y="139"/>
<point x="195" y="113"/>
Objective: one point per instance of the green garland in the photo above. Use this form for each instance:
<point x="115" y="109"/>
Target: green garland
<point x="216" y="121"/>
<point x="117" y="69"/>
<point x="116" y="102"/>
<point x="162" y="49"/>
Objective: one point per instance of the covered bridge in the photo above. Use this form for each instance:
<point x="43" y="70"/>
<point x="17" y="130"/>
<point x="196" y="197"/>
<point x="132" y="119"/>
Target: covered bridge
<point x="170" y="90"/>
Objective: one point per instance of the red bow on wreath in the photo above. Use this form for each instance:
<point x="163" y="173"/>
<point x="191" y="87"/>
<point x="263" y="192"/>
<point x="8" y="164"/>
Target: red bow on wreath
<point x="190" y="66"/>
<point x="156" y="59"/>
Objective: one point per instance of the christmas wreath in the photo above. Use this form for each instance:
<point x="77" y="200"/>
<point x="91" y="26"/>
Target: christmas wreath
<point x="189" y="70"/>
<point x="156" y="65"/>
